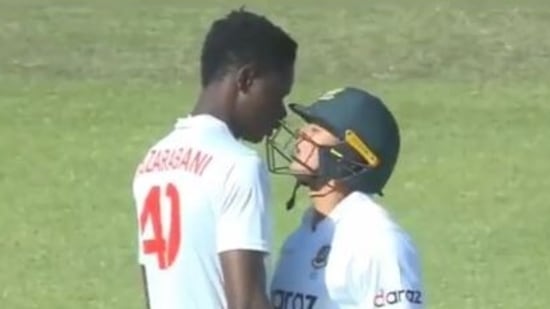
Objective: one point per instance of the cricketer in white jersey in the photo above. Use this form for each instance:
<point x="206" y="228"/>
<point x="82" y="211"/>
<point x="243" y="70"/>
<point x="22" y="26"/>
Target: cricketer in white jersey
<point x="348" y="252"/>
<point x="202" y="197"/>
<point x="357" y="257"/>
<point x="198" y="192"/>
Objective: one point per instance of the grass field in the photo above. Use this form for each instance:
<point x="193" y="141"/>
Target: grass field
<point x="86" y="86"/>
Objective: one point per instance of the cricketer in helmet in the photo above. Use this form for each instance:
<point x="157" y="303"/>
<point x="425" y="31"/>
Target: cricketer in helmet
<point x="348" y="250"/>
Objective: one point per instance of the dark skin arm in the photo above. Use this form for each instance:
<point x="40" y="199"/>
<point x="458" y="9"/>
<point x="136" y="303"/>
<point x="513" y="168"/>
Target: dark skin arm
<point x="144" y="280"/>
<point x="244" y="275"/>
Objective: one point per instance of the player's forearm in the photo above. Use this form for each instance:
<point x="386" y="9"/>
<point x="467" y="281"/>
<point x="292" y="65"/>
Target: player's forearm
<point x="244" y="279"/>
<point x="258" y="301"/>
<point x="144" y="282"/>
<point x="249" y="295"/>
<point x="261" y="303"/>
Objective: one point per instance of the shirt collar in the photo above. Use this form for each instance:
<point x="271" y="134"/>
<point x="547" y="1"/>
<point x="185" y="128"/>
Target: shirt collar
<point x="203" y="121"/>
<point x="354" y="199"/>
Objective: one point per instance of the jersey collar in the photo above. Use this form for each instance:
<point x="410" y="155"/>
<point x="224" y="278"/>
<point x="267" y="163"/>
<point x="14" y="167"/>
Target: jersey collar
<point x="354" y="199"/>
<point x="204" y="121"/>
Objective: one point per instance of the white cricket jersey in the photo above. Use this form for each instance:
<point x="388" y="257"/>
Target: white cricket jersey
<point x="198" y="192"/>
<point x="357" y="257"/>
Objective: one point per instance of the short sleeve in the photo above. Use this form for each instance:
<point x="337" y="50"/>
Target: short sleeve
<point x="387" y="275"/>
<point x="244" y="217"/>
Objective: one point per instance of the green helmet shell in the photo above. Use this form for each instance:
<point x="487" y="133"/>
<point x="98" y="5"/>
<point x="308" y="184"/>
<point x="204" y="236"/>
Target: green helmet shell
<point x="346" y="110"/>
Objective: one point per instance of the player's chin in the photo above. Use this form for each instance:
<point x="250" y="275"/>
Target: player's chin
<point x="305" y="179"/>
<point x="255" y="138"/>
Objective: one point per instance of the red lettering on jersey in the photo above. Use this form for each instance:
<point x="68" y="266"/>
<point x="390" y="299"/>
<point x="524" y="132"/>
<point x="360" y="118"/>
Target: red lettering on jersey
<point x="157" y="161"/>
<point x="185" y="159"/>
<point x="147" y="162"/>
<point x="164" y="160"/>
<point x="164" y="245"/>
<point x="175" y="158"/>
<point x="194" y="161"/>
<point x="200" y="162"/>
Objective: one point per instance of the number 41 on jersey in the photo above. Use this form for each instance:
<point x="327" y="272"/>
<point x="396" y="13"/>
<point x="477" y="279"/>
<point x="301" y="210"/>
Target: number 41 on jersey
<point x="166" y="249"/>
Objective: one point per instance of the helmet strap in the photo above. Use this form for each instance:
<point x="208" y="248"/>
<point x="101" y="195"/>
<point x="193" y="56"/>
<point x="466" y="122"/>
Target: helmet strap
<point x="292" y="200"/>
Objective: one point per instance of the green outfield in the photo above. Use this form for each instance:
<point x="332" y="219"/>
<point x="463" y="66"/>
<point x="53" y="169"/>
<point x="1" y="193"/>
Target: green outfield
<point x="86" y="86"/>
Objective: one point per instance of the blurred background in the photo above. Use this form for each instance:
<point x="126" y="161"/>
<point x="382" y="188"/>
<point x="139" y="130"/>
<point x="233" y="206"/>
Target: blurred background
<point x="87" y="86"/>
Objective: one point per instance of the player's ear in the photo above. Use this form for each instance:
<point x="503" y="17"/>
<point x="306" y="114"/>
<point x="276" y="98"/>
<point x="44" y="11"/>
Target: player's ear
<point x="246" y="76"/>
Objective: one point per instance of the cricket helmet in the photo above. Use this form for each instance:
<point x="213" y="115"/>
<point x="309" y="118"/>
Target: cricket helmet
<point x="364" y="159"/>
